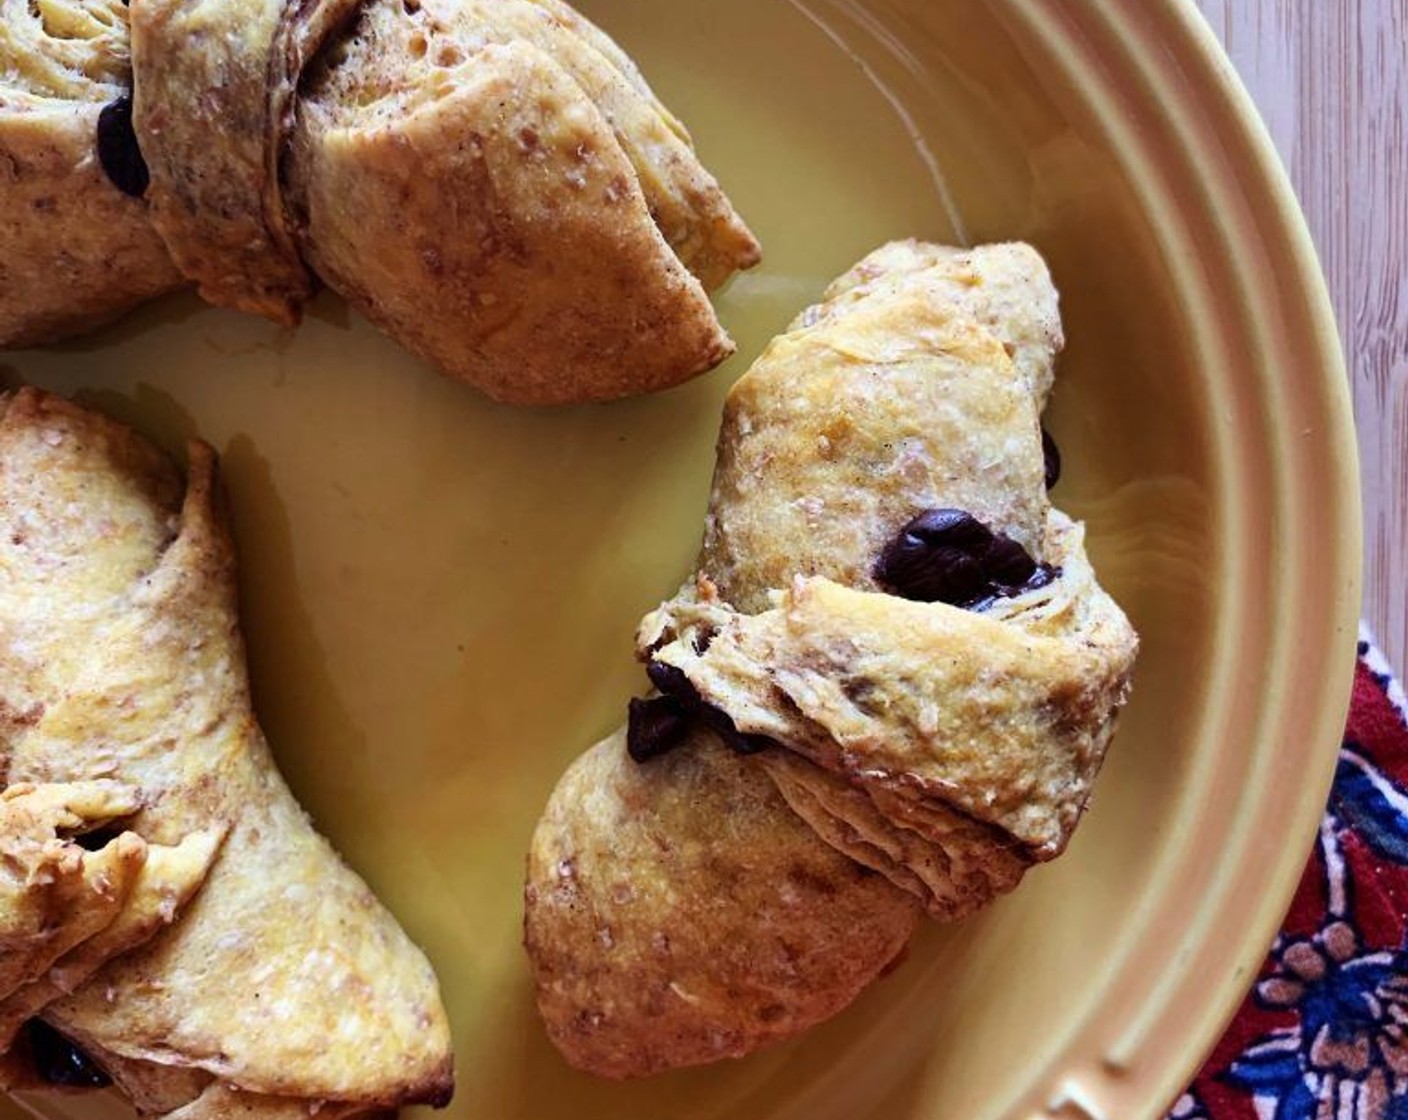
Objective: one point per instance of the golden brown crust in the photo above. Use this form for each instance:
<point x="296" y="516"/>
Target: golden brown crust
<point x="494" y="191"/>
<point x="214" y="81"/>
<point x="283" y="976"/>
<point x="218" y="1101"/>
<point x="75" y="251"/>
<point x="402" y="55"/>
<point x="679" y="913"/>
<point x="693" y="214"/>
<point x="66" y="911"/>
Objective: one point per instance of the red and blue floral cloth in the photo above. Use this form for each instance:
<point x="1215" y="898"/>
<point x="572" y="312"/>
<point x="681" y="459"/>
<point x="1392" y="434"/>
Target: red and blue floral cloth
<point x="1324" y="1033"/>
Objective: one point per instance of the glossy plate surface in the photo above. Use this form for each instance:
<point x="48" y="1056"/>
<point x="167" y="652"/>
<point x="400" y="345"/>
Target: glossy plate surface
<point x="439" y="594"/>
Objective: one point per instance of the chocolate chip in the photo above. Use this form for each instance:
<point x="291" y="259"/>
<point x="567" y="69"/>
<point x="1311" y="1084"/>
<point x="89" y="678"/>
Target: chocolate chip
<point x="1007" y="562"/>
<point x="679" y="689"/>
<point x="59" y="1061"/>
<point x="655" y="727"/>
<point x="956" y="528"/>
<point x="118" y="152"/>
<point x="1052" y="455"/>
<point x="936" y="558"/>
<point x="673" y="682"/>
<point x="949" y="556"/>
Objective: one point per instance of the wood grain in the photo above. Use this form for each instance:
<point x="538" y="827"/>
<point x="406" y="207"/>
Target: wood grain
<point x="1331" y="80"/>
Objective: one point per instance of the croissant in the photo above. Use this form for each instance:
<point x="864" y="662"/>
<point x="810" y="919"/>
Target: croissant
<point x="494" y="184"/>
<point x="211" y="953"/>
<point x="885" y="692"/>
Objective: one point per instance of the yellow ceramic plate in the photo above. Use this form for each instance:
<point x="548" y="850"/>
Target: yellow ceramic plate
<point x="440" y="594"/>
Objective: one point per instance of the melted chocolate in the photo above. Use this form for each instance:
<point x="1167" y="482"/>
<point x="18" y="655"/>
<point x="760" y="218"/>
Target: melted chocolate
<point x="661" y="723"/>
<point x="655" y="727"/>
<point x="949" y="556"/>
<point x="118" y="153"/>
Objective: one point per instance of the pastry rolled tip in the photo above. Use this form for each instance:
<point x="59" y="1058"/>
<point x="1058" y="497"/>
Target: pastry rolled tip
<point x="752" y="255"/>
<point x="435" y="1089"/>
<point x="745" y="252"/>
<point x="561" y="392"/>
<point x="202" y="470"/>
<point x="709" y="952"/>
<point x="439" y="1092"/>
<point x="286" y="313"/>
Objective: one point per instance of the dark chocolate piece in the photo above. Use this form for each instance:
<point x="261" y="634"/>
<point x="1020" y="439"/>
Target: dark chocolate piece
<point x="1044" y="574"/>
<point x="59" y="1061"/>
<point x="1007" y="563"/>
<point x="118" y="152"/>
<point x="655" y="727"/>
<point x="679" y="689"/>
<point x="937" y="558"/>
<point x="673" y="682"/>
<point x="949" y="556"/>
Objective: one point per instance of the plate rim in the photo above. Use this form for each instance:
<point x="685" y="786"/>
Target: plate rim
<point x="1171" y="49"/>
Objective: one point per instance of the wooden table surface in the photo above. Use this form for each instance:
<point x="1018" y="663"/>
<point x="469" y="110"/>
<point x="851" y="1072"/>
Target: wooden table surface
<point x="1331" y="80"/>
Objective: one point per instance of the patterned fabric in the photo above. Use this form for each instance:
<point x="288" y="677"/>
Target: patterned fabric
<point x="1324" y="1033"/>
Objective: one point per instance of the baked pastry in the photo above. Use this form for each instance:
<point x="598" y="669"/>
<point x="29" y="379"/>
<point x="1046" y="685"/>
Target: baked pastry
<point x="250" y="960"/>
<point x="75" y="250"/>
<point x="898" y="640"/>
<point x="492" y="183"/>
